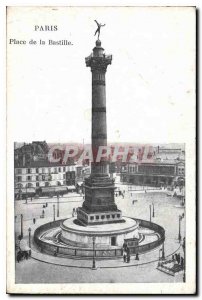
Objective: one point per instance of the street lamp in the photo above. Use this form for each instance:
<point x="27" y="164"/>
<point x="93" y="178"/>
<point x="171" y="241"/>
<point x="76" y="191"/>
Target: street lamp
<point x="29" y="230"/>
<point x="94" y="266"/>
<point x="58" y="213"/>
<point x="179" y="234"/>
<point x="183" y="247"/>
<point x="153" y="210"/>
<point x="21" y="218"/>
<point x="150" y="212"/>
<point x="53" y="212"/>
<point x="163" y="252"/>
<point x="26" y="194"/>
<point x="159" y="257"/>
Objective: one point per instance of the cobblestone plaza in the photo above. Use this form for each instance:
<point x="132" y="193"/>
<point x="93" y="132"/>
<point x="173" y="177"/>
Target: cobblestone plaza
<point x="113" y="270"/>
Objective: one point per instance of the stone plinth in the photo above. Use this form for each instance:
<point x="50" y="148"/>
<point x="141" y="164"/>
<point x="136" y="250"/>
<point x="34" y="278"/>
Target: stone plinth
<point x="107" y="235"/>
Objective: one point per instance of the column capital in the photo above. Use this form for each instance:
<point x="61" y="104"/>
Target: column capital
<point x="98" y="63"/>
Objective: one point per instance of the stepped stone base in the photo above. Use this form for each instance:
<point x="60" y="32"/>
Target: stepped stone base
<point x="107" y="235"/>
<point x="99" y="206"/>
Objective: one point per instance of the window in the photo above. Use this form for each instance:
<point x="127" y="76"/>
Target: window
<point x="113" y="216"/>
<point x="37" y="183"/>
<point x="19" y="171"/>
<point x="43" y="177"/>
<point x="37" y="178"/>
<point x="19" y="186"/>
<point x="64" y="177"/>
<point x="28" y="171"/>
<point x="47" y="183"/>
<point x="29" y="185"/>
<point x="102" y="217"/>
<point x="63" y="169"/>
<point x="55" y="170"/>
<point x="118" y="216"/>
<point x="43" y="170"/>
<point x="37" y="170"/>
<point x="19" y="178"/>
<point x="108" y="216"/>
<point x="29" y="178"/>
<point x="97" y="217"/>
<point x="59" y="169"/>
<point x="91" y="218"/>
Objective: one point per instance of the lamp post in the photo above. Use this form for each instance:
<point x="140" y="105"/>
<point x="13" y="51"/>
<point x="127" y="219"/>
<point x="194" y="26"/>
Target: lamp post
<point x="179" y="234"/>
<point x="183" y="247"/>
<point x="159" y="257"/>
<point x="150" y="212"/>
<point x="153" y="210"/>
<point x="26" y="195"/>
<point x="53" y="212"/>
<point x="58" y="213"/>
<point x="163" y="252"/>
<point x="29" y="230"/>
<point x="94" y="266"/>
<point x="21" y="218"/>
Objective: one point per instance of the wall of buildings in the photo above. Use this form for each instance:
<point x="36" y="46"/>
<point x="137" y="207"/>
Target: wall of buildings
<point x="33" y="177"/>
<point x="154" y="173"/>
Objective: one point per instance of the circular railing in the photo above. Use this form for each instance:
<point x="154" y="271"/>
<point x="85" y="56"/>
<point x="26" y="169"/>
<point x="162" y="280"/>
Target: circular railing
<point x="66" y="250"/>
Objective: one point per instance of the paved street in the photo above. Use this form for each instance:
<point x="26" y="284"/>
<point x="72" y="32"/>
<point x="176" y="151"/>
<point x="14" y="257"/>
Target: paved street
<point x="165" y="209"/>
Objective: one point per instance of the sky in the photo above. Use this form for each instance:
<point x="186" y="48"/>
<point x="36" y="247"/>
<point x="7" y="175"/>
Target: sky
<point x="150" y="86"/>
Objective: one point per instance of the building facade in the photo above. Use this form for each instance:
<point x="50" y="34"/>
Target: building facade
<point x="156" y="173"/>
<point x="42" y="174"/>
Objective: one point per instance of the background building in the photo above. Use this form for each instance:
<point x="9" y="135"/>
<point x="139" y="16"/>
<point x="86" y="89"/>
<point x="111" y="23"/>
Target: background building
<point x="35" y="175"/>
<point x="165" y="168"/>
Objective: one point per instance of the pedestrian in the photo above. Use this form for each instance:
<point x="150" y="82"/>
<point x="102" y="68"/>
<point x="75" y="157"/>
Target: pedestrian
<point x="173" y="257"/>
<point x="124" y="255"/>
<point x="19" y="256"/>
<point x="124" y="245"/>
<point x="26" y="255"/>
<point x="137" y="256"/>
<point x="128" y="255"/>
<point x="34" y="220"/>
<point x="176" y="257"/>
<point x="182" y="262"/>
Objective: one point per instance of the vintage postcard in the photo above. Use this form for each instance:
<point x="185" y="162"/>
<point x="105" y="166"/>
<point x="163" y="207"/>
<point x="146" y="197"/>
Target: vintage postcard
<point x="101" y="106"/>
